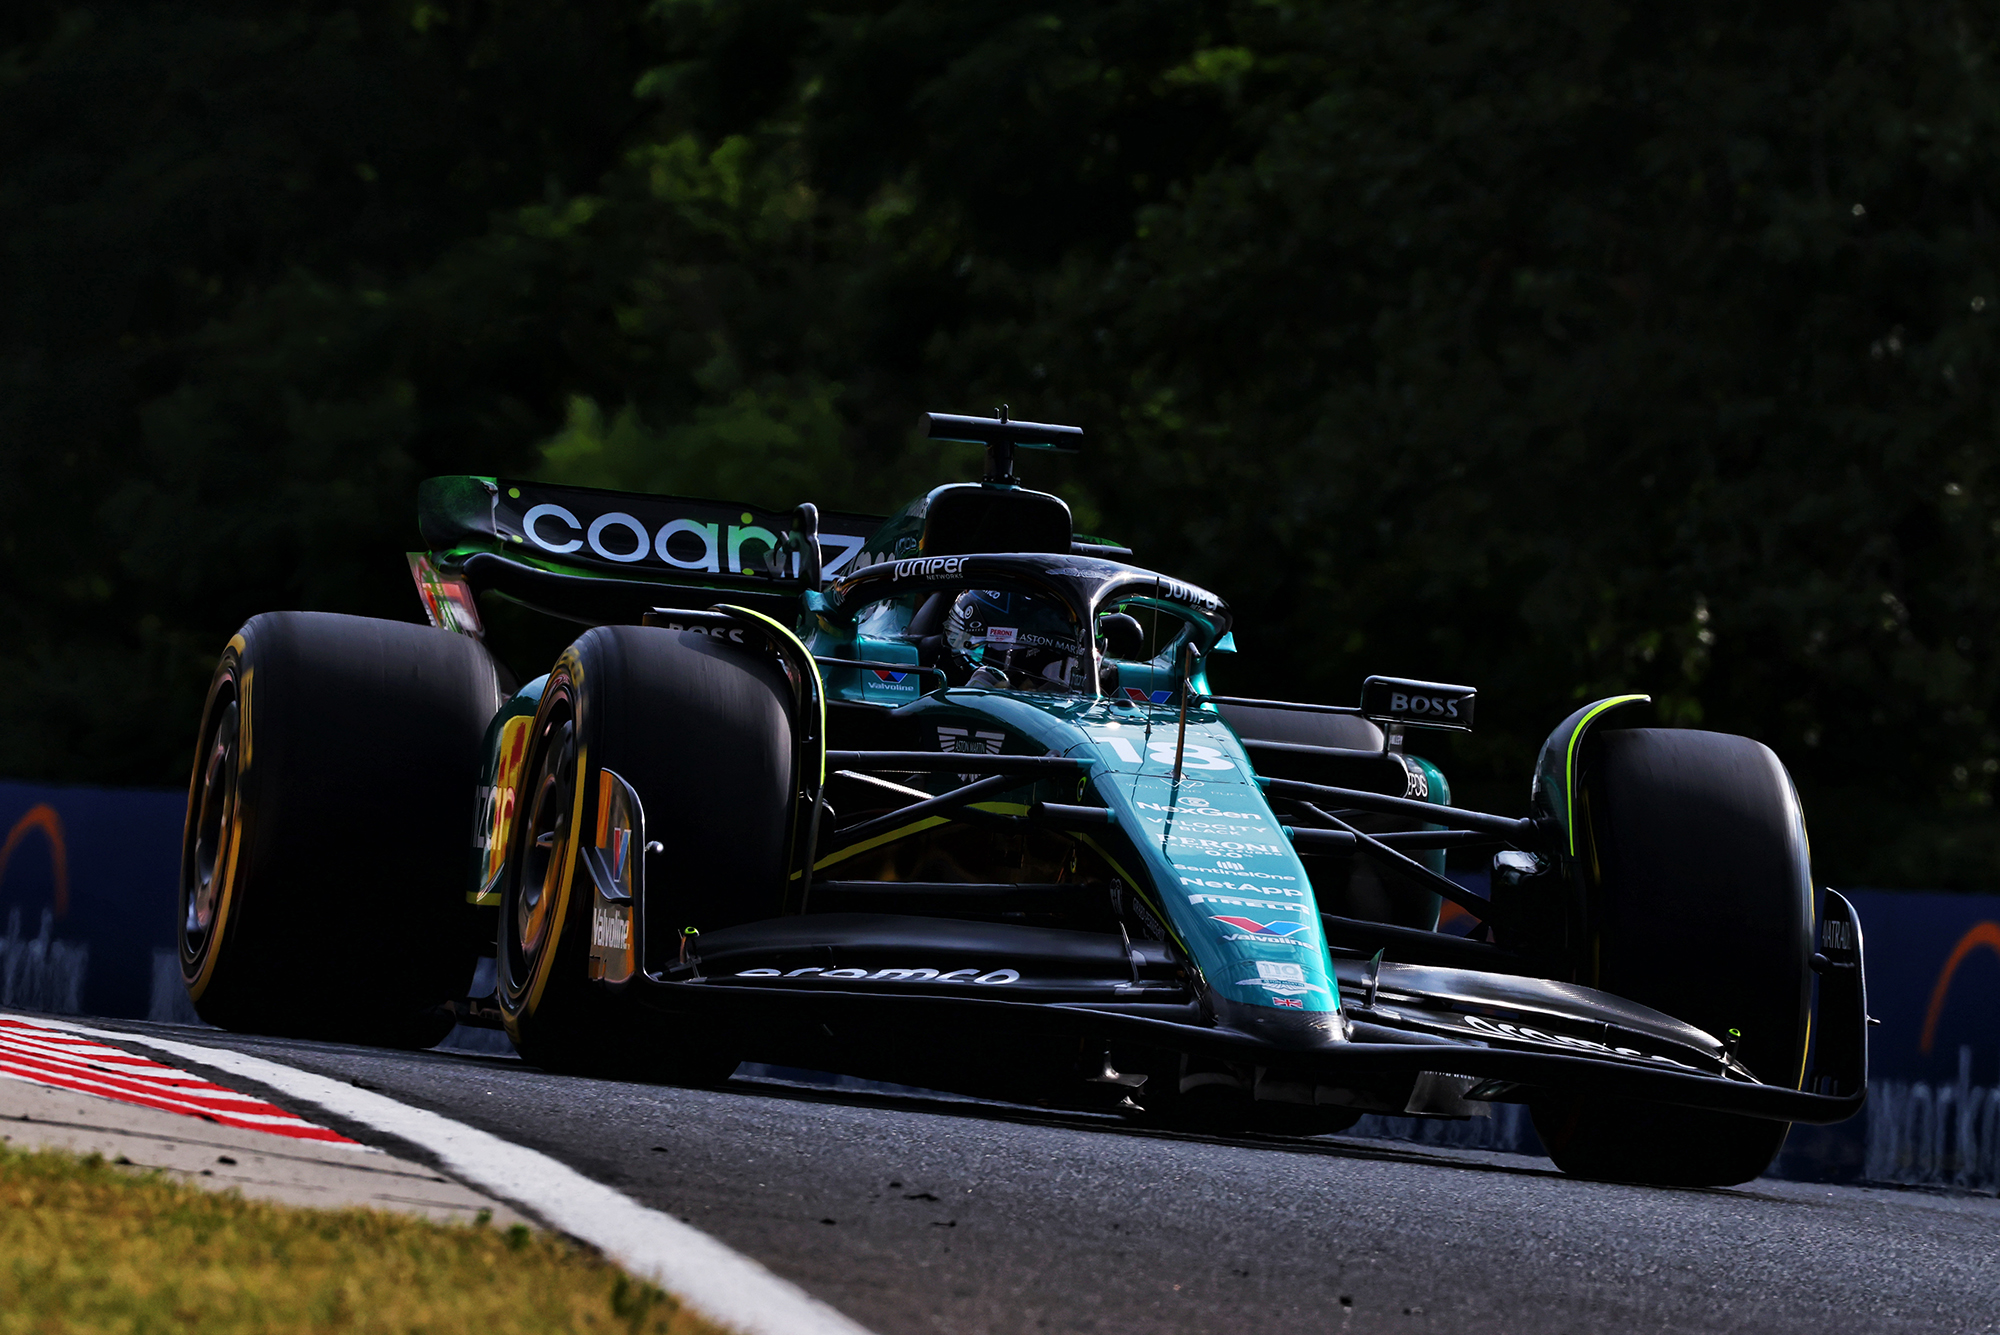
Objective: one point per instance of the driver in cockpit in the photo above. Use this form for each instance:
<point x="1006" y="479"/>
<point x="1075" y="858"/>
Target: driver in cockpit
<point x="1014" y="641"/>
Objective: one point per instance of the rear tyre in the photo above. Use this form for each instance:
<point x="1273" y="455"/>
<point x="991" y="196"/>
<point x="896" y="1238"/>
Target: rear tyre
<point x="1701" y="901"/>
<point x="323" y="868"/>
<point x="703" y="733"/>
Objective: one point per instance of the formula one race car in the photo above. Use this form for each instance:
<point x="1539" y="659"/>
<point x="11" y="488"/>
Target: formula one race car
<point x="946" y="800"/>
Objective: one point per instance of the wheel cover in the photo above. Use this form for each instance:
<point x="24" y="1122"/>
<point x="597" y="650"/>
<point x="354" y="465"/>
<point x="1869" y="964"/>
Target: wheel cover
<point x="535" y="897"/>
<point x="548" y="841"/>
<point x="212" y="853"/>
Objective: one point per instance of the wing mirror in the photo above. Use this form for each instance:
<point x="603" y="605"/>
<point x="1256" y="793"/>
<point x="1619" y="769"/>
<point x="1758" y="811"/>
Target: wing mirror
<point x="1122" y="635"/>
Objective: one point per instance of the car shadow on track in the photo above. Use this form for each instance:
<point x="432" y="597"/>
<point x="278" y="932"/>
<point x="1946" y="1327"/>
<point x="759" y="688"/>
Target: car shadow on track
<point x="1491" y="1162"/>
<point x="951" y="1105"/>
<point x="933" y="1103"/>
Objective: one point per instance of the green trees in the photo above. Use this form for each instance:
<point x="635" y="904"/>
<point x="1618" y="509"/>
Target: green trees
<point x="1557" y="348"/>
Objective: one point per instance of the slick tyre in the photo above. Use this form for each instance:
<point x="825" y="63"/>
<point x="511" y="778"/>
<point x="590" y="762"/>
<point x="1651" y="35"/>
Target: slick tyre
<point x="703" y="732"/>
<point x="323" y="868"/>
<point x="1701" y="904"/>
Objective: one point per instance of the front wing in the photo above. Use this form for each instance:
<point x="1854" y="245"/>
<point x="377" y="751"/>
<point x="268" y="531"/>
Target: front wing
<point x="1505" y="1039"/>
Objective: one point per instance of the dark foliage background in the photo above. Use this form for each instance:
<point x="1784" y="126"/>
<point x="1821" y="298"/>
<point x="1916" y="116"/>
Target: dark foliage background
<point x="1560" y="348"/>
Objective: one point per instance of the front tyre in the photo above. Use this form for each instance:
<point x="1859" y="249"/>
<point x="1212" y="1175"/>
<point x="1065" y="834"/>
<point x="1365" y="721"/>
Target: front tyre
<point x="703" y="733"/>
<point x="322" y="884"/>
<point x="1701" y="906"/>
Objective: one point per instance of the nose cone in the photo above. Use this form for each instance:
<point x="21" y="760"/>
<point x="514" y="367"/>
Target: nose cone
<point x="1298" y="1030"/>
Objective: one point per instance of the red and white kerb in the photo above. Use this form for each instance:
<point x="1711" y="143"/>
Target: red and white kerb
<point x="65" y="1061"/>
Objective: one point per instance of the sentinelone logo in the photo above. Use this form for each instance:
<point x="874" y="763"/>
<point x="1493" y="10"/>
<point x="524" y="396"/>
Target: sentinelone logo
<point x="42" y="819"/>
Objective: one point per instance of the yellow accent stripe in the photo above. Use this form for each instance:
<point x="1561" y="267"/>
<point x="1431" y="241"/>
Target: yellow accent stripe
<point x="914" y="827"/>
<point x="1576" y="735"/>
<point x="842" y="855"/>
<point x="819" y="682"/>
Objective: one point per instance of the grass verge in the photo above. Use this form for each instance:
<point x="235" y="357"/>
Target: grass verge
<point x="86" y="1247"/>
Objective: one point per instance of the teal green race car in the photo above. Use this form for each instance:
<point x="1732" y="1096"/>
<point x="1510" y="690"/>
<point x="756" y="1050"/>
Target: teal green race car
<point x="947" y="800"/>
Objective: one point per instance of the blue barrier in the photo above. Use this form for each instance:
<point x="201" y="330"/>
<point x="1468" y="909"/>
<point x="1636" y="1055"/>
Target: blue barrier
<point x="1933" y="1115"/>
<point x="87" y="880"/>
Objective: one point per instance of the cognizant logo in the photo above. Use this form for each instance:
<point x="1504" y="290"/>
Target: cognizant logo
<point x="682" y="544"/>
<point x="620" y="537"/>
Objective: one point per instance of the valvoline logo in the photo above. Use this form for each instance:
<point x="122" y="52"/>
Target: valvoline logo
<point x="1148" y="697"/>
<point x="1256" y="928"/>
<point x="893" y="678"/>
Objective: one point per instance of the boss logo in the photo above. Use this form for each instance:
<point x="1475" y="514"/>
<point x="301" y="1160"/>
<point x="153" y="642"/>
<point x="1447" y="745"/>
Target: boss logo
<point x="734" y="634"/>
<point x="1426" y="704"/>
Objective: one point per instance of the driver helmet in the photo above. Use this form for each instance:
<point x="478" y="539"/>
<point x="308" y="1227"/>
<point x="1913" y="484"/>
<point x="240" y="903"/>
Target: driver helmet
<point x="1016" y="640"/>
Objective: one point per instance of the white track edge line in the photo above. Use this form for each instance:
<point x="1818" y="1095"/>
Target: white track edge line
<point x="709" y="1276"/>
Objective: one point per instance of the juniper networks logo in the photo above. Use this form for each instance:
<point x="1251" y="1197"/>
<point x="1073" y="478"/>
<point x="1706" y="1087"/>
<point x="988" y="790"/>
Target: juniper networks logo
<point x="929" y="567"/>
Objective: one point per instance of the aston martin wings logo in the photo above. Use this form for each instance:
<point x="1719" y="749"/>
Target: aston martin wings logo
<point x="960" y="741"/>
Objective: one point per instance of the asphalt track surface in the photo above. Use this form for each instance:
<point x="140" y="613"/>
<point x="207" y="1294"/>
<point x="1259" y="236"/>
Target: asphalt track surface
<point x="915" y="1214"/>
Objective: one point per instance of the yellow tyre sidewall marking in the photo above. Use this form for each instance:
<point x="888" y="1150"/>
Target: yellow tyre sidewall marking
<point x="226" y="895"/>
<point x="544" y="965"/>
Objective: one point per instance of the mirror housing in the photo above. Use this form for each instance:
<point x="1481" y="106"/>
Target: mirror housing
<point x="1123" y="637"/>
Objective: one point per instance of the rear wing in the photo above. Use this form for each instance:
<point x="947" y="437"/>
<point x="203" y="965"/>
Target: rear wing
<point x="510" y="534"/>
<point x="673" y="540"/>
